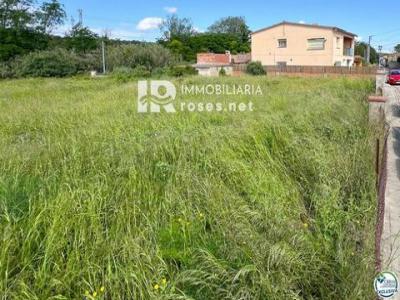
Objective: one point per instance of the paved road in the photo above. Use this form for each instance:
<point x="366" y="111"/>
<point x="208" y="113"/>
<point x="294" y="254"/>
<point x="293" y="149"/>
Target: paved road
<point x="391" y="226"/>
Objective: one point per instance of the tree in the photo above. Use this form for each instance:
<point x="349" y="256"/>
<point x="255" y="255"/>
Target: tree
<point x="361" y="49"/>
<point x="232" y="25"/>
<point x="16" y="14"/>
<point x="50" y="15"/>
<point x="23" y="27"/>
<point x="397" y="48"/>
<point x="177" y="48"/>
<point x="15" y="42"/>
<point x="175" y="28"/>
<point x="82" y="39"/>
<point x="206" y="42"/>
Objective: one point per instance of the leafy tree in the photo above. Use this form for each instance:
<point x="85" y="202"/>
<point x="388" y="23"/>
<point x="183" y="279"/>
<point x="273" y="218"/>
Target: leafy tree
<point x="206" y="42"/>
<point x="81" y="39"/>
<point x="397" y="48"/>
<point x="232" y="25"/>
<point x="361" y="49"/>
<point x="50" y="15"/>
<point x="14" y="42"/>
<point x="16" y="14"/>
<point x="23" y="27"/>
<point x="177" y="48"/>
<point x="176" y="28"/>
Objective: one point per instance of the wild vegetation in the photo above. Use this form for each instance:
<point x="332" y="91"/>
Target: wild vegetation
<point x="255" y="68"/>
<point x="29" y="49"/>
<point x="100" y="202"/>
<point x="180" y="36"/>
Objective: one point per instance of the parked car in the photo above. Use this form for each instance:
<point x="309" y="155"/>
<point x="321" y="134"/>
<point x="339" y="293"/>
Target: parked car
<point x="393" y="77"/>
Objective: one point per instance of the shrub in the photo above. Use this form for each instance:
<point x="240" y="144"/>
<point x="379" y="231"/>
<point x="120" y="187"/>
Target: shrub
<point x="255" y="68"/>
<point x="125" y="73"/>
<point x="6" y="71"/>
<point x="222" y="72"/>
<point x="182" y="70"/>
<point x="54" y="63"/>
<point x="88" y="61"/>
<point x="141" y="71"/>
<point x="148" y="55"/>
<point x="159" y="72"/>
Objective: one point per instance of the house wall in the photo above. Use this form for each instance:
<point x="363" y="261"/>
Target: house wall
<point x="214" y="70"/>
<point x="264" y="46"/>
<point x="241" y="58"/>
<point x="339" y="46"/>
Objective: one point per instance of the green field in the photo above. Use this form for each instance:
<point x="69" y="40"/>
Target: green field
<point x="278" y="203"/>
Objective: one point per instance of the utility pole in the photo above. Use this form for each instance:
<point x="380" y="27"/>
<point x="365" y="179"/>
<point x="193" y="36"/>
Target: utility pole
<point x="103" y="50"/>
<point x="80" y="13"/>
<point x="369" y="49"/>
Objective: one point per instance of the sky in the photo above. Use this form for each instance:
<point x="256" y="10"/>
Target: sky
<point x="139" y="20"/>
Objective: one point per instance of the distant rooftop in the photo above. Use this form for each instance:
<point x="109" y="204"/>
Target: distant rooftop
<point x="306" y="25"/>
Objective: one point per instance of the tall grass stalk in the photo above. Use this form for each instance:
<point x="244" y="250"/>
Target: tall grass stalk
<point x="278" y="203"/>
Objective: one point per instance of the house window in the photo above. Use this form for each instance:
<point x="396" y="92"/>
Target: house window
<point x="316" y="44"/>
<point x="281" y="64"/>
<point x="282" y="43"/>
<point x="338" y="42"/>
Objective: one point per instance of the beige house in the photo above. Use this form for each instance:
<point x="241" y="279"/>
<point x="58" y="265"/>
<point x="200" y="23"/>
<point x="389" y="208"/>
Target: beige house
<point x="299" y="44"/>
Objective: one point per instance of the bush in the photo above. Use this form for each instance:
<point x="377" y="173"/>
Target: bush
<point x="6" y="71"/>
<point x="54" y="63"/>
<point x="255" y="68"/>
<point x="159" y="72"/>
<point x="222" y="72"/>
<point x="148" y="55"/>
<point x="125" y="73"/>
<point x="89" y="61"/>
<point x="182" y="70"/>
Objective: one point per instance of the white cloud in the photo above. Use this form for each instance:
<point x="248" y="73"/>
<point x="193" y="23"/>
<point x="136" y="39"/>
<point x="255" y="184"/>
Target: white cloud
<point x="61" y="30"/>
<point x="359" y="38"/>
<point x="198" y="30"/>
<point x="302" y="22"/>
<point x="149" y="23"/>
<point x="171" y="10"/>
<point x="122" y="31"/>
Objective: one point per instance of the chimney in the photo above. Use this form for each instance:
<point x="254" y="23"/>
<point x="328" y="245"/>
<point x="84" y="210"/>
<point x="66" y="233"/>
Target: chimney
<point x="228" y="53"/>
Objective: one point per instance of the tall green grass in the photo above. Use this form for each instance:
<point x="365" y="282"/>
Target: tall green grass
<point x="278" y="203"/>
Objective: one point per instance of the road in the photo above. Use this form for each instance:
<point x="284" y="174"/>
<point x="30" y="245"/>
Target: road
<point x="391" y="226"/>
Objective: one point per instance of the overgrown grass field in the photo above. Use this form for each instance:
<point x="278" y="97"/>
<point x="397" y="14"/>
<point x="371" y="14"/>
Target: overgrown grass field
<point x="100" y="202"/>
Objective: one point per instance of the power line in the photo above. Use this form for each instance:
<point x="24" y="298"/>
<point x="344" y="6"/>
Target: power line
<point x="387" y="32"/>
<point x="386" y="44"/>
<point x="393" y="35"/>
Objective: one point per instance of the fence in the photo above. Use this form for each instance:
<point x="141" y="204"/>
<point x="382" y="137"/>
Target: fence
<point x="381" y="170"/>
<point x="313" y="70"/>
